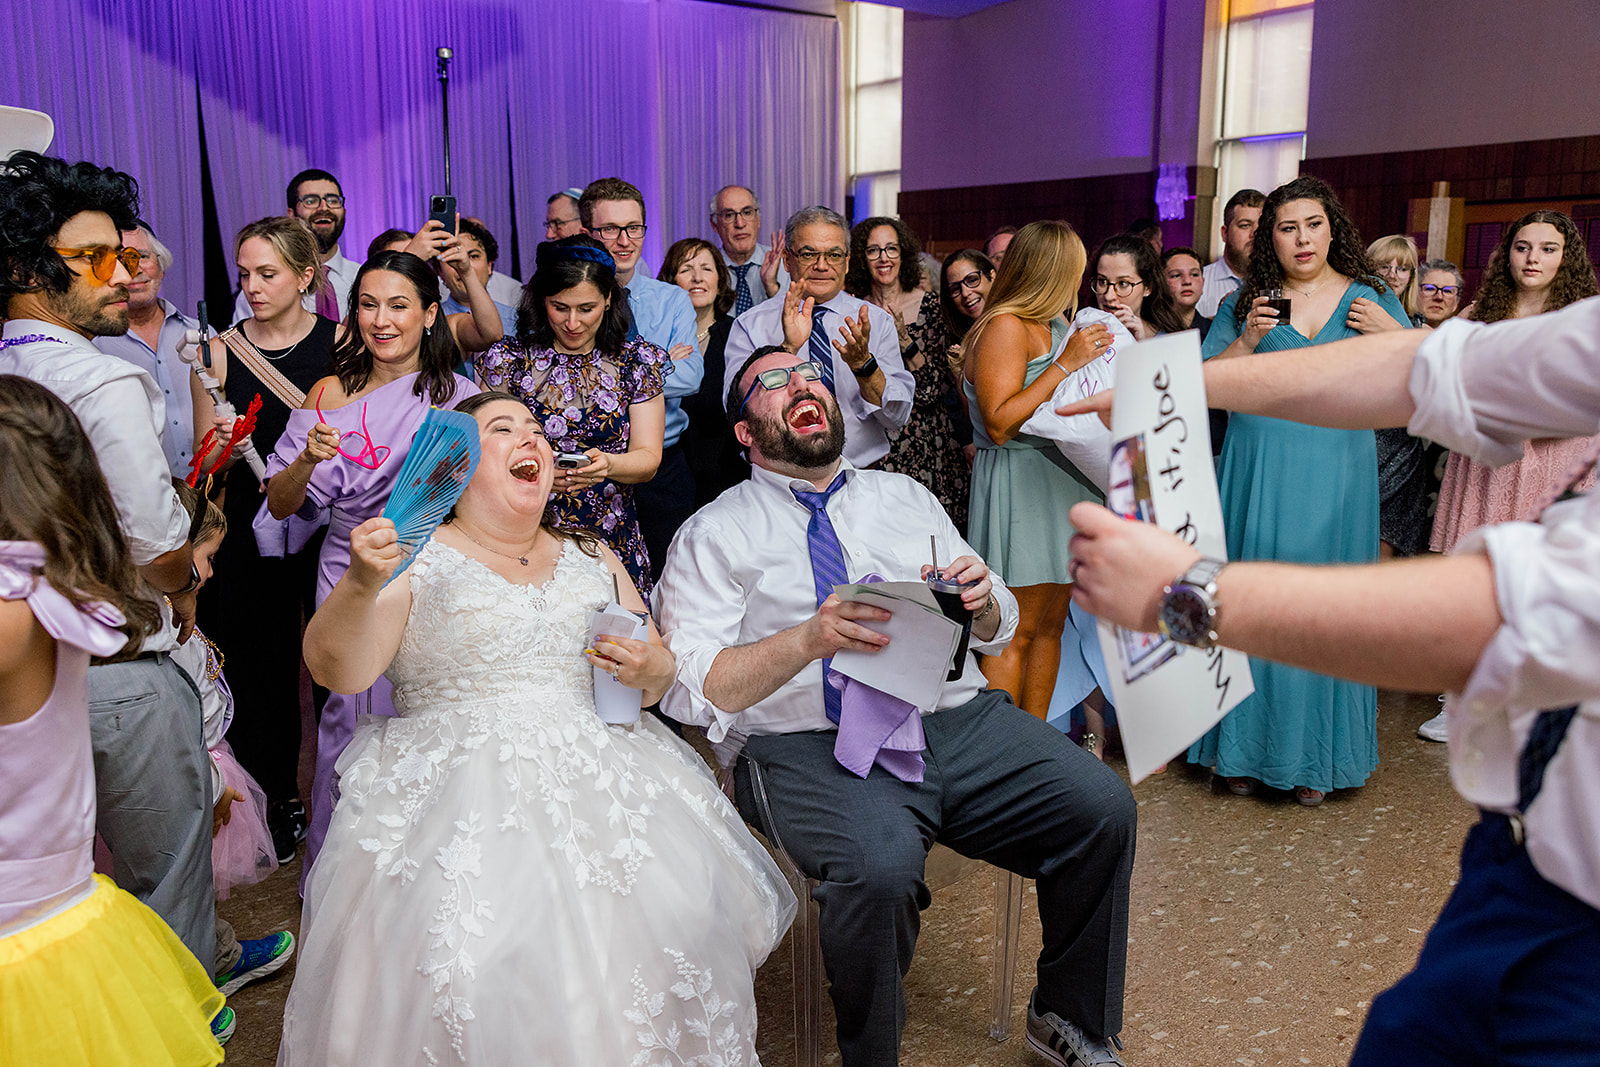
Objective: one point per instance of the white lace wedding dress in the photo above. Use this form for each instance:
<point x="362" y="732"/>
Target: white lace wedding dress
<point x="507" y="879"/>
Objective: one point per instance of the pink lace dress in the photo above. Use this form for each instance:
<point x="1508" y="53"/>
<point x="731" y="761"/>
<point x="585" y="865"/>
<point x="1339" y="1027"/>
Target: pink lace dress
<point x="1473" y="495"/>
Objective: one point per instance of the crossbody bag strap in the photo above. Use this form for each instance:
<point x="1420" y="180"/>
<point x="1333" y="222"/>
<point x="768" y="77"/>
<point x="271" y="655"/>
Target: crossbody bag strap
<point x="262" y="368"/>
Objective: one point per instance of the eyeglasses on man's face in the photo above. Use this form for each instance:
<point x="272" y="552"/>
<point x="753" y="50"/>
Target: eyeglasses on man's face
<point x="1442" y="290"/>
<point x="1122" y="288"/>
<point x="103" y="260"/>
<point x="556" y="224"/>
<point x="968" y="281"/>
<point x="808" y="257"/>
<point x="634" y="230"/>
<point x="727" y="216"/>
<point x="311" y="200"/>
<point x="778" y="377"/>
<point x="883" y="251"/>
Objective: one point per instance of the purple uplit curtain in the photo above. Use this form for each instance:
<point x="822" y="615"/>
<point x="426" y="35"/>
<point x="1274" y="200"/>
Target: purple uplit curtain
<point x="117" y="77"/>
<point x="677" y="96"/>
<point x="583" y="106"/>
<point x="748" y="97"/>
<point x="350" y="86"/>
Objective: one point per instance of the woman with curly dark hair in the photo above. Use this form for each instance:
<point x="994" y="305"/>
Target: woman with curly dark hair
<point x="715" y="459"/>
<point x="885" y="270"/>
<point x="339" y="455"/>
<point x="597" y="393"/>
<point x="1297" y="493"/>
<point x="1541" y="265"/>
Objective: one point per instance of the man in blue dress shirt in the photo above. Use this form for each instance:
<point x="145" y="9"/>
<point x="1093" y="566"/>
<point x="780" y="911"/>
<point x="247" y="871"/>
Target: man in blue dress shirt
<point x="613" y="214"/>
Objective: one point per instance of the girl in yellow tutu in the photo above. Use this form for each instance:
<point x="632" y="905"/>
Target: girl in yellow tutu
<point x="88" y="975"/>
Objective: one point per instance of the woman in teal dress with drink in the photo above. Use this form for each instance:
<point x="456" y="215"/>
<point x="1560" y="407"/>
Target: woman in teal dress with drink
<point x="1299" y="494"/>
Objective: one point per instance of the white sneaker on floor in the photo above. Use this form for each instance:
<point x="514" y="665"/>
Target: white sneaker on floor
<point x="1434" y="729"/>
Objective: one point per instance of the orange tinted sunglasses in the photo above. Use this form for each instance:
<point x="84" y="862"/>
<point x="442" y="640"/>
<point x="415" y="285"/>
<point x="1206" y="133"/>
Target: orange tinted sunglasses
<point x="103" y="260"/>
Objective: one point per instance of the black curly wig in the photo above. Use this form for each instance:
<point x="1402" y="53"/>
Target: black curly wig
<point x="1347" y="252"/>
<point x="38" y="194"/>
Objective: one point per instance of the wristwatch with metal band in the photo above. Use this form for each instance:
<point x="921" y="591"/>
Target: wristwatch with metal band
<point x="1189" y="605"/>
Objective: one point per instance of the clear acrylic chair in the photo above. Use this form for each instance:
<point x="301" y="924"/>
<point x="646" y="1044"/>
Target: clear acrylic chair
<point x="944" y="868"/>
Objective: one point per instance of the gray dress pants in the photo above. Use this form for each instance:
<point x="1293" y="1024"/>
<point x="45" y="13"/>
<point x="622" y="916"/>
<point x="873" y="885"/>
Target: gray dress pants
<point x="1000" y="786"/>
<point x="153" y="788"/>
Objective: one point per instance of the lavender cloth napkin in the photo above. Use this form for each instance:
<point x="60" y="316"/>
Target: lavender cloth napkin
<point x="876" y="727"/>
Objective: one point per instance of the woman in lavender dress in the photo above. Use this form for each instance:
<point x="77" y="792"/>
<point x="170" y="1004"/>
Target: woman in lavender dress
<point x="339" y="455"/>
<point x="595" y="390"/>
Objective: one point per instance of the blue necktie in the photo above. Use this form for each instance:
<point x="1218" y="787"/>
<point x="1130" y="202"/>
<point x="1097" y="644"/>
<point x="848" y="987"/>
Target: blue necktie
<point x="1543" y="740"/>
<point x="633" y="322"/>
<point x="821" y="350"/>
<point x="742" y="300"/>
<point x="827" y="570"/>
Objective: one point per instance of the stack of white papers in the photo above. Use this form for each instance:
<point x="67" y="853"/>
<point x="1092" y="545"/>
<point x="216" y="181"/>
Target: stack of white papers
<point x="913" y="665"/>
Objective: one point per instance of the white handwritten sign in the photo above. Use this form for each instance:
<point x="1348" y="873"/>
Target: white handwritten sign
<point x="1161" y="471"/>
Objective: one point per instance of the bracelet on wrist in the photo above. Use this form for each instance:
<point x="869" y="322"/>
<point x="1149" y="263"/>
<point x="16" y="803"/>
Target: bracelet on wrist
<point x="988" y="608"/>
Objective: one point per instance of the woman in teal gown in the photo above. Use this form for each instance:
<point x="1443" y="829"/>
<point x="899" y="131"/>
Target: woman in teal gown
<point x="1298" y="494"/>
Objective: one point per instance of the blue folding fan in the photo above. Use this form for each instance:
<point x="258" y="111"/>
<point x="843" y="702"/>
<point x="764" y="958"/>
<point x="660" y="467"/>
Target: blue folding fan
<point x="443" y="455"/>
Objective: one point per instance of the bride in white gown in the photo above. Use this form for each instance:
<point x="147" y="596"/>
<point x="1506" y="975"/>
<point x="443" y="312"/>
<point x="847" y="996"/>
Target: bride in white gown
<point x="509" y="880"/>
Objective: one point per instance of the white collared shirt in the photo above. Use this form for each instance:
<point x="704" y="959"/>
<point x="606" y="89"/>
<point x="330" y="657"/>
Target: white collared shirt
<point x="1483" y="390"/>
<point x="122" y="411"/>
<point x="1219" y="282"/>
<point x="740" y="571"/>
<point x="866" y="426"/>
<point x="341" y="275"/>
<point x="171" y="376"/>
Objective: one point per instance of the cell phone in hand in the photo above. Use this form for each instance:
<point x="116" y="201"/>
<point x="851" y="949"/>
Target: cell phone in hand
<point x="571" y="460"/>
<point x="442" y="209"/>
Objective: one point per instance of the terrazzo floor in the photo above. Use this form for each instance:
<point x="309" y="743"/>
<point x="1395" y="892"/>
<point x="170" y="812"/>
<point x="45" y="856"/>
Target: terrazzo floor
<point x="1259" y="933"/>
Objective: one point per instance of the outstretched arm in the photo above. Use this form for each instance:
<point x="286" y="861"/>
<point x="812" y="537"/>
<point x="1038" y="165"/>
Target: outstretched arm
<point x="1417" y="625"/>
<point x="1358" y="384"/>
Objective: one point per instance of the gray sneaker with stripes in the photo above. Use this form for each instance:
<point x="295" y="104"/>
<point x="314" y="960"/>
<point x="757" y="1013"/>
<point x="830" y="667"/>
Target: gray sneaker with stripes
<point x="1061" y="1042"/>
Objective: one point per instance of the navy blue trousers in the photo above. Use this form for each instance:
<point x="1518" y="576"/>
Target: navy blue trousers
<point x="1509" y="975"/>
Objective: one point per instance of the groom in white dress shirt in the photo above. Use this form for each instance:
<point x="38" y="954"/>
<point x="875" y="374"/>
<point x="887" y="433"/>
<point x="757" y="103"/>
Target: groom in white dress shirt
<point x="864" y="370"/>
<point x="738" y="606"/>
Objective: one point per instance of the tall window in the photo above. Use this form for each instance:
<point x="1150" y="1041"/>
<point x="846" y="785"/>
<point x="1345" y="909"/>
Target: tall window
<point x="1265" y="89"/>
<point x="873" y="58"/>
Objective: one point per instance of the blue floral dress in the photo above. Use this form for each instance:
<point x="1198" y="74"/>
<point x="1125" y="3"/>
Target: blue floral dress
<point x="582" y="402"/>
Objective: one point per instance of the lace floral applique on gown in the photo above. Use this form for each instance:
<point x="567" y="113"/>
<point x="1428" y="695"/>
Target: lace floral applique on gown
<point x="508" y="879"/>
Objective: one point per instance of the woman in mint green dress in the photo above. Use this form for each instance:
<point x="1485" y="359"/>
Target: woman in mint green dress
<point x="1299" y="494"/>
<point x="1015" y="355"/>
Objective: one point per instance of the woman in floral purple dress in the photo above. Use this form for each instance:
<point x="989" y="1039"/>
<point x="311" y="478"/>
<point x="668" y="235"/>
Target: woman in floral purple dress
<point x="596" y="391"/>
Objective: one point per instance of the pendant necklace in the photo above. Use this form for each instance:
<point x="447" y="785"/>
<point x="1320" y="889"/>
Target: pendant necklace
<point x="1314" y="288"/>
<point x="522" y="559"/>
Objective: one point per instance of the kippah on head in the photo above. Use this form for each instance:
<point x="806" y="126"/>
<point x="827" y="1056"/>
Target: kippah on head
<point x="550" y="252"/>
